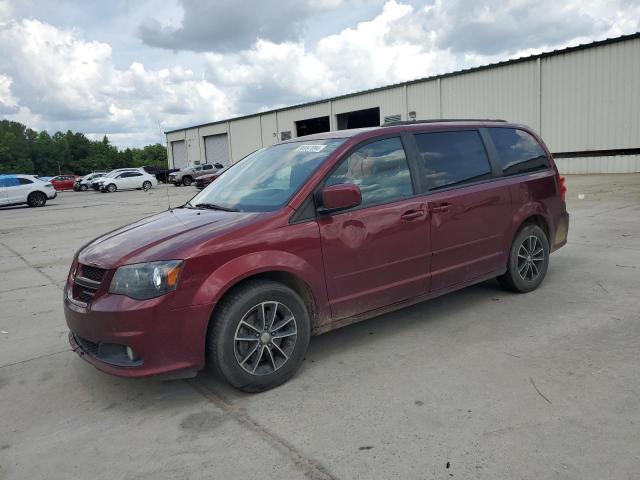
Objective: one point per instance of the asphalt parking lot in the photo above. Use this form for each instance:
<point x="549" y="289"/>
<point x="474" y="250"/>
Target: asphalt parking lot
<point x="476" y="384"/>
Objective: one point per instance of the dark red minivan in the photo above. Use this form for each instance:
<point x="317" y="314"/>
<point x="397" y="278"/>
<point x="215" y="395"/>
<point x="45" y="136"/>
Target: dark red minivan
<point x="312" y="234"/>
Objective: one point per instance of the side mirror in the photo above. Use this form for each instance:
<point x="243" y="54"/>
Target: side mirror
<point x="340" y="197"/>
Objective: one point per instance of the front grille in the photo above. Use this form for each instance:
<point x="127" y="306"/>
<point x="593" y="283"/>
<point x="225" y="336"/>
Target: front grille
<point x="92" y="273"/>
<point x="87" y="282"/>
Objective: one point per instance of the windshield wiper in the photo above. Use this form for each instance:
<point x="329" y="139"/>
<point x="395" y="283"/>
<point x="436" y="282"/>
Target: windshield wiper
<point x="213" y="206"/>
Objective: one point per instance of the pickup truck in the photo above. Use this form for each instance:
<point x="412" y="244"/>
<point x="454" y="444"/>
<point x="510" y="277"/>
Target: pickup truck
<point x="186" y="176"/>
<point x="161" y="174"/>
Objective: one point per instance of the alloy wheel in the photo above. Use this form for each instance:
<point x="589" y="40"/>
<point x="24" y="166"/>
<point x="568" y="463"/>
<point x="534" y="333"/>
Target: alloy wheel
<point x="530" y="258"/>
<point x="265" y="338"/>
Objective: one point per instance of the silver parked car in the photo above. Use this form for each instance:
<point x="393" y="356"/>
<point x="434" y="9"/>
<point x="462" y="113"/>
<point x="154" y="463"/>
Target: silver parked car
<point x="186" y="176"/>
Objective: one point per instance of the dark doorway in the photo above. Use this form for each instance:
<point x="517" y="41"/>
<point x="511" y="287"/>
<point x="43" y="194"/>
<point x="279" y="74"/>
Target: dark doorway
<point x="359" y="119"/>
<point x="311" y="126"/>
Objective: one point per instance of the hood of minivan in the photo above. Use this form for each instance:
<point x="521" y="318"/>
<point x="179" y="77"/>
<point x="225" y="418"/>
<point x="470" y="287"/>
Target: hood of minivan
<point x="165" y="236"/>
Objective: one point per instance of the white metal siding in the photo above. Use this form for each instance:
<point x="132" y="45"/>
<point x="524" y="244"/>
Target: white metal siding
<point x="591" y="98"/>
<point x="192" y="139"/>
<point x="613" y="164"/>
<point x="424" y="99"/>
<point x="179" y="154"/>
<point x="216" y="148"/>
<point x="245" y="137"/>
<point x="509" y="92"/>
<point x="269" y="129"/>
<point x="587" y="99"/>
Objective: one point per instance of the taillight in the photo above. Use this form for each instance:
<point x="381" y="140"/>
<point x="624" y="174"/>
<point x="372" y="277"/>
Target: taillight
<point x="562" y="188"/>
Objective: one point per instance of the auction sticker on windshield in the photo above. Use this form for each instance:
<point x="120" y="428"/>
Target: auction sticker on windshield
<point x="310" y="148"/>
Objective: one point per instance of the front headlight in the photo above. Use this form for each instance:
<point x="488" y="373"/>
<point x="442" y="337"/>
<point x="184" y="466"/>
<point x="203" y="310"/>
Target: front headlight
<point x="146" y="280"/>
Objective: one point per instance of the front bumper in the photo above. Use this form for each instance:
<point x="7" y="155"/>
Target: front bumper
<point x="165" y="340"/>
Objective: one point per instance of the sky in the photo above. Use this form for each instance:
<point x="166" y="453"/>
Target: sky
<point x="132" y="69"/>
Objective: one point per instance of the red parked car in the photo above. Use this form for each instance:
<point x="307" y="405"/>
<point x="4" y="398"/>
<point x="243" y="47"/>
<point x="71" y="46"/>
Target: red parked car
<point x="64" y="182"/>
<point x="203" y="181"/>
<point x="312" y="234"/>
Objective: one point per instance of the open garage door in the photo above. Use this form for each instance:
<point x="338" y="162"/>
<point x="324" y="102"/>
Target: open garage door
<point x="179" y="154"/>
<point x="216" y="149"/>
<point x="311" y="126"/>
<point x="359" y="119"/>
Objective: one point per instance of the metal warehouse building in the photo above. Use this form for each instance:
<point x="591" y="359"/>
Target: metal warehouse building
<point x="584" y="101"/>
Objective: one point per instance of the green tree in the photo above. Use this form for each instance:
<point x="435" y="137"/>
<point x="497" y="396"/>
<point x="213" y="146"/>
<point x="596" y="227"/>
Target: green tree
<point x="23" y="150"/>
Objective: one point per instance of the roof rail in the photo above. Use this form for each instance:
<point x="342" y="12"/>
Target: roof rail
<point x="440" y="120"/>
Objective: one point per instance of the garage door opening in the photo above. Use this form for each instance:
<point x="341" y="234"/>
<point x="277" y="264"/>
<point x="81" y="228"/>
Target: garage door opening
<point x="359" y="119"/>
<point x="311" y="126"/>
<point x="179" y="154"/>
<point x="216" y="149"/>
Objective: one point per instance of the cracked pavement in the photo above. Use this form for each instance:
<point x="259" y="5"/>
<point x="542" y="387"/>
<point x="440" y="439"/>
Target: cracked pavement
<point x="480" y="383"/>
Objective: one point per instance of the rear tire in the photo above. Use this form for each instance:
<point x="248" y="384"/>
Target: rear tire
<point x="187" y="180"/>
<point x="274" y="347"/>
<point x="37" y="199"/>
<point x="528" y="260"/>
<point x="146" y="185"/>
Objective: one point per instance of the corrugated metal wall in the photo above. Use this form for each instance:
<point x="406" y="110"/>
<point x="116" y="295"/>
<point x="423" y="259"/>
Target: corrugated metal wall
<point x="581" y="100"/>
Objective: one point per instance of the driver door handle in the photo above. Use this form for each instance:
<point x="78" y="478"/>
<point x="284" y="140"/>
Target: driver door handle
<point x="412" y="214"/>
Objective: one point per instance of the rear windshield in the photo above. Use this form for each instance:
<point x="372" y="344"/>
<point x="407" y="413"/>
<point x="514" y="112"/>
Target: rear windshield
<point x="266" y="179"/>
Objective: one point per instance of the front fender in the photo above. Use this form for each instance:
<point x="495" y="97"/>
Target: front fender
<point x="245" y="266"/>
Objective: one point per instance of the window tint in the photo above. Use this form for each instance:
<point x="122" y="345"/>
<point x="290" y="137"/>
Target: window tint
<point x="379" y="168"/>
<point x="518" y="151"/>
<point x="452" y="158"/>
<point x="24" y="181"/>
<point x="9" y="181"/>
<point x="207" y="167"/>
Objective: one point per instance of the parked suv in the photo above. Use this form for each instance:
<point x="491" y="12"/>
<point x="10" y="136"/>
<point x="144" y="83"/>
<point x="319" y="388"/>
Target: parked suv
<point x="312" y="234"/>
<point x="18" y="189"/>
<point x="186" y="176"/>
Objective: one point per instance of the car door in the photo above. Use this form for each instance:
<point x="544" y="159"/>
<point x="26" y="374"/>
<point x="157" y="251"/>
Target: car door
<point x="68" y="182"/>
<point x="375" y="254"/>
<point x="4" y="182"/>
<point x="469" y="207"/>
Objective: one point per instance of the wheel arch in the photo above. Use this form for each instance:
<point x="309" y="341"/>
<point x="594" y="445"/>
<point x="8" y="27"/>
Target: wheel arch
<point x="291" y="280"/>
<point x="283" y="267"/>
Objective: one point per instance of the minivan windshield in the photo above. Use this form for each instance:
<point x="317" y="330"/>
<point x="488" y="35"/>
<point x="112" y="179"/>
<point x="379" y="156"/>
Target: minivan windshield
<point x="266" y="179"/>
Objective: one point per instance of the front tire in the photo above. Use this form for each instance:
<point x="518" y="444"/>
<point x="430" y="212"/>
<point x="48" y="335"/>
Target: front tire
<point x="84" y="188"/>
<point x="37" y="199"/>
<point x="111" y="188"/>
<point x="186" y="181"/>
<point x="528" y="260"/>
<point x="258" y="335"/>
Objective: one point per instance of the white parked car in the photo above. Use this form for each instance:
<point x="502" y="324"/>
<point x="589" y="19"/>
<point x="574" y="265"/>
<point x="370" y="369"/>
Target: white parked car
<point x="127" y="180"/>
<point x="18" y="189"/>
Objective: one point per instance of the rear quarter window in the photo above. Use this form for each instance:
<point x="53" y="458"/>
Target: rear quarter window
<point x="518" y="152"/>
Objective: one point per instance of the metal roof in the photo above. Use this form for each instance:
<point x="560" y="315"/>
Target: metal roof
<point x="551" y="53"/>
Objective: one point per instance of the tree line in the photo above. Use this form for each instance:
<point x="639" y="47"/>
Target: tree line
<point x="23" y="150"/>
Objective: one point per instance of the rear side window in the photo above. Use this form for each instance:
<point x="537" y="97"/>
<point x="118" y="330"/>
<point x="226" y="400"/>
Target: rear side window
<point x="452" y="158"/>
<point x="24" y="181"/>
<point x="379" y="169"/>
<point x="518" y="152"/>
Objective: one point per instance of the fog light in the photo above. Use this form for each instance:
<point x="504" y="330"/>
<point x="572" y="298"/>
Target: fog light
<point x="131" y="354"/>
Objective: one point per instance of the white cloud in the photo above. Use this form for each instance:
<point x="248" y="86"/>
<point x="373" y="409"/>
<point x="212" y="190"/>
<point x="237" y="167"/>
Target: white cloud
<point x="59" y="78"/>
<point x="376" y="52"/>
<point x="8" y="103"/>
<point x="68" y="81"/>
